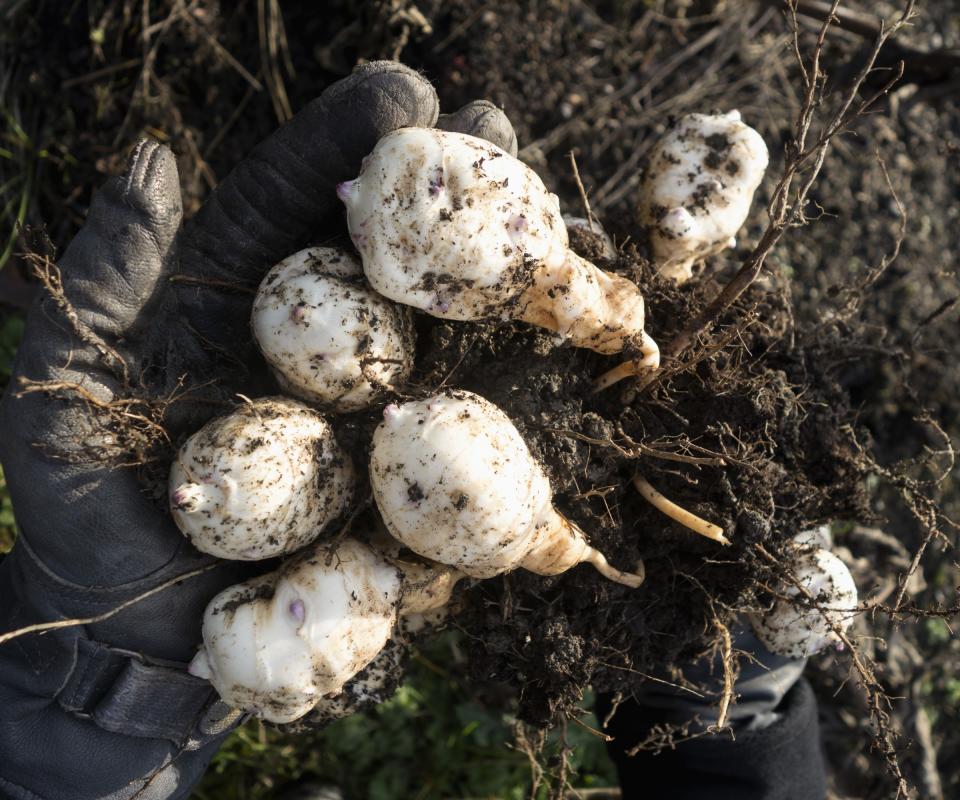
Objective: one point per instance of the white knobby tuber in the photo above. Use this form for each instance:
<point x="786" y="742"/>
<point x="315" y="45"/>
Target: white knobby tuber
<point x="697" y="191"/>
<point x="260" y="482"/>
<point x="455" y="482"/>
<point x="279" y="644"/>
<point x="327" y="337"/>
<point x="695" y="196"/>
<point x="805" y="621"/>
<point x="455" y="226"/>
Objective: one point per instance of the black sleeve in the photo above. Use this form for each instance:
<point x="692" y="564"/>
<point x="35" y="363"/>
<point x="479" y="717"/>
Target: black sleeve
<point x="782" y="761"/>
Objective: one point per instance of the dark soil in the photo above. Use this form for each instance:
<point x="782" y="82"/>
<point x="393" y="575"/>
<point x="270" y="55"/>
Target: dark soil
<point x="798" y="389"/>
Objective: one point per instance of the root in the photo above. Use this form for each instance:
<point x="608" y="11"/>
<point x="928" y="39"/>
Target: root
<point x="48" y="273"/>
<point x="129" y="431"/>
<point x="678" y="514"/>
<point x="729" y="674"/>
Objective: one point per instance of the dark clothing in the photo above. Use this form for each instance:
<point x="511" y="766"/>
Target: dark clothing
<point x="780" y="762"/>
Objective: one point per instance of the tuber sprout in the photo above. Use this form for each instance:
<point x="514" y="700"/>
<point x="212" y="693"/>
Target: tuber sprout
<point x="262" y="481"/>
<point x="326" y="335"/>
<point x="456" y="483"/>
<point x="279" y="644"/>
<point x="795" y="626"/>
<point x="455" y="226"/>
<point x="697" y="191"/>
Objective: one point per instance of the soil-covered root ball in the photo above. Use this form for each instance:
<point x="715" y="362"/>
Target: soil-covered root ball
<point x="278" y="645"/>
<point x="327" y="337"/>
<point x="696" y="193"/>
<point x="456" y="483"/>
<point x="808" y="621"/>
<point x="260" y="482"/>
<point x="455" y="226"/>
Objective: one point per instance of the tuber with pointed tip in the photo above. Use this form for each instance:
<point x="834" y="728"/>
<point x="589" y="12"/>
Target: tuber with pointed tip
<point x="328" y="337"/>
<point x="794" y="627"/>
<point x="696" y="193"/>
<point x="695" y="197"/>
<point x="455" y="226"/>
<point x="260" y="482"/>
<point x="455" y="482"/>
<point x="279" y="644"/>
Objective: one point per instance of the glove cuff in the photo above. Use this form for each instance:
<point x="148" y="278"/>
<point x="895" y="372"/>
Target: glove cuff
<point x="123" y="692"/>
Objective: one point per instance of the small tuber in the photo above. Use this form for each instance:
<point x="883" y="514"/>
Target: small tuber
<point x="260" y="482"/>
<point x="456" y="483"/>
<point x="795" y="626"/>
<point x="695" y="196"/>
<point x="696" y="193"/>
<point x="326" y="335"/>
<point x="455" y="226"/>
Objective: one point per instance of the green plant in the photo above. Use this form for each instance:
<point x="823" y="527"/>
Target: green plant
<point x="432" y="739"/>
<point x="11" y="330"/>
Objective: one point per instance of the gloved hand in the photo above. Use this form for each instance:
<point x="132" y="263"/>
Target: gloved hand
<point x="107" y="710"/>
<point x="771" y="750"/>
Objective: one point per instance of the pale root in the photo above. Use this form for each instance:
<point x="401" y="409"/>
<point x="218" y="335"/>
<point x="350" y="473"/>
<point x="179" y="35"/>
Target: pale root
<point x="677" y="513"/>
<point x="455" y="482"/>
<point x="262" y="481"/>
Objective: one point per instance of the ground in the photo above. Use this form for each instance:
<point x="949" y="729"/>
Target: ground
<point x="818" y="389"/>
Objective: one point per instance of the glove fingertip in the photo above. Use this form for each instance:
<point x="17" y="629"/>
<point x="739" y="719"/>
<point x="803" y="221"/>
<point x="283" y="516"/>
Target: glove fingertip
<point x="150" y="185"/>
<point x="483" y="119"/>
<point x="412" y="96"/>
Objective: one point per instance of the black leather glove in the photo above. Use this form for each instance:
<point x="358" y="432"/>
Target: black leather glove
<point x="771" y="751"/>
<point x="107" y="710"/>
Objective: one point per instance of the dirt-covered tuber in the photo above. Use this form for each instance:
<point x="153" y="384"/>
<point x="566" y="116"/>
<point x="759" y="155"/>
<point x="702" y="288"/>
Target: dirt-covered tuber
<point x="327" y="337"/>
<point x="455" y="226"/>
<point x="260" y="482"/>
<point x="279" y="644"/>
<point x="456" y="483"/>
<point x="696" y="193"/>
<point x="803" y="622"/>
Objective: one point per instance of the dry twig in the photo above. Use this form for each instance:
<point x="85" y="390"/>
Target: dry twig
<point x="804" y="158"/>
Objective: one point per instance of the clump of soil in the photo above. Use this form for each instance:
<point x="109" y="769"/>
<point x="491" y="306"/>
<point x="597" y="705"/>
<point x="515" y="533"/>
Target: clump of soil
<point x="748" y="438"/>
